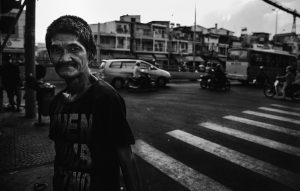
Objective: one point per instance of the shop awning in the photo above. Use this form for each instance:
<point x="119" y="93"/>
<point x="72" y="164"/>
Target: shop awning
<point x="191" y="59"/>
<point x="147" y="57"/>
<point x="161" y="57"/>
<point x="179" y="59"/>
<point x="222" y="59"/>
<point x="14" y="50"/>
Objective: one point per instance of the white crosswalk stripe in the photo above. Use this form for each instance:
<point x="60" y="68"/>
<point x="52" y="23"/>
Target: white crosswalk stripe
<point x="194" y="180"/>
<point x="264" y="125"/>
<point x="280" y="111"/>
<point x="252" y="138"/>
<point x="286" y="107"/>
<point x="280" y="175"/>
<point x="176" y="170"/>
<point x="286" y="119"/>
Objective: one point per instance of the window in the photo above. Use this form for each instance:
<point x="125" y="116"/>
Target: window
<point x="145" y="65"/>
<point x="116" y="64"/>
<point x="240" y="55"/>
<point x="128" y="65"/>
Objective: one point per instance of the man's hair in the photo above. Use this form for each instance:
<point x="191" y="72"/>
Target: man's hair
<point x="70" y="24"/>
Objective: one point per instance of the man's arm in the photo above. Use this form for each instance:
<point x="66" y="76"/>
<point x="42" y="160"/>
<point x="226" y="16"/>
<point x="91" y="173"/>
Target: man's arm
<point x="129" y="168"/>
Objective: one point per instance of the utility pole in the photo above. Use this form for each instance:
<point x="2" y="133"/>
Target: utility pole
<point x="194" y="42"/>
<point x="98" y="43"/>
<point x="30" y="99"/>
<point x="276" y="21"/>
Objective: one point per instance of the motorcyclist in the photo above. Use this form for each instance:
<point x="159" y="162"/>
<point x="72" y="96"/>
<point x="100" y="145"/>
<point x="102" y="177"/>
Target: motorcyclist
<point x="296" y="83"/>
<point x="220" y="76"/>
<point x="137" y="70"/>
<point x="140" y="76"/>
<point x="287" y="79"/>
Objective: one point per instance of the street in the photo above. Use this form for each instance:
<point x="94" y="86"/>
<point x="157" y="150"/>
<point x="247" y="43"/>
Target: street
<point x="194" y="139"/>
<point x="187" y="138"/>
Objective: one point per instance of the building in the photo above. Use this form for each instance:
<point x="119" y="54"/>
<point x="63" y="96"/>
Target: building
<point x="14" y="48"/>
<point x="287" y="41"/>
<point x="169" y="46"/>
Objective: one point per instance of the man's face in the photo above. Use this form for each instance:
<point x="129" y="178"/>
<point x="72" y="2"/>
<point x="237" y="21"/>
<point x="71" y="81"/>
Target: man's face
<point x="68" y="56"/>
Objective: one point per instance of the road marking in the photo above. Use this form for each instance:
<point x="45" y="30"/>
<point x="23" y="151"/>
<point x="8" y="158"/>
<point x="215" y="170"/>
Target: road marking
<point x="266" y="169"/>
<point x="280" y="111"/>
<point x="252" y="138"/>
<point x="286" y="119"/>
<point x="176" y="170"/>
<point x="264" y="125"/>
<point x="286" y="107"/>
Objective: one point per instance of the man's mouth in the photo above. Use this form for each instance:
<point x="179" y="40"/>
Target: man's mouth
<point x="67" y="65"/>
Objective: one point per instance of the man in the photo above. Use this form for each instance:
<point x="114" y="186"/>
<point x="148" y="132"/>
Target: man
<point x="296" y="83"/>
<point x="287" y="79"/>
<point x="137" y="70"/>
<point x="12" y="83"/>
<point x="220" y="76"/>
<point x="88" y="118"/>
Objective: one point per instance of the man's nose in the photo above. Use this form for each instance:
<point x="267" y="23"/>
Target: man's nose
<point x="65" y="57"/>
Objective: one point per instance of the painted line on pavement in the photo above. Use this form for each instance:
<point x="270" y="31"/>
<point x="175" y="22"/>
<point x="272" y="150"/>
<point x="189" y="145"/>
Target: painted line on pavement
<point x="286" y="107"/>
<point x="176" y="170"/>
<point x="264" y="125"/>
<point x="266" y="169"/>
<point x="252" y="138"/>
<point x="280" y="111"/>
<point x="286" y="119"/>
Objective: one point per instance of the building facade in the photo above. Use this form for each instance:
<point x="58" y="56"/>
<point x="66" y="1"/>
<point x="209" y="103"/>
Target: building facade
<point x="14" y="48"/>
<point x="160" y="41"/>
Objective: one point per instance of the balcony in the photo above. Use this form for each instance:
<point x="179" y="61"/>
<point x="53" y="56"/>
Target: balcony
<point x="147" y="35"/>
<point x="107" y="46"/>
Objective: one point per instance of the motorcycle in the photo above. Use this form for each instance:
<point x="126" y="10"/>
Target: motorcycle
<point x="270" y="90"/>
<point x="143" y="83"/>
<point x="209" y="81"/>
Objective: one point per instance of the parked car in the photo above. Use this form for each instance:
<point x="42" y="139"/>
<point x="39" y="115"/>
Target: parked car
<point x="117" y="71"/>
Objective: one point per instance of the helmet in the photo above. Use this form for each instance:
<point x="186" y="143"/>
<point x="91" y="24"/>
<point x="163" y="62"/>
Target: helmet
<point x="289" y="68"/>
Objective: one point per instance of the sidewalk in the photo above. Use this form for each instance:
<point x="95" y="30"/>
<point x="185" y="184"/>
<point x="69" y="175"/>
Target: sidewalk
<point x="26" y="152"/>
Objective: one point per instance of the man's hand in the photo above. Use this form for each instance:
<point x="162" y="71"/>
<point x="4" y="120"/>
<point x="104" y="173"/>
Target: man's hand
<point x="129" y="168"/>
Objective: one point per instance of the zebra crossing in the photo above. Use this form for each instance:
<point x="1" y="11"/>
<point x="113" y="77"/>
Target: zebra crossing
<point x="196" y="180"/>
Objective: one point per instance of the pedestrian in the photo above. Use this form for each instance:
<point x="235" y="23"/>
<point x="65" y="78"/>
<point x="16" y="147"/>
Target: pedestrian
<point x="12" y="83"/>
<point x="88" y="118"/>
<point x="1" y="91"/>
<point x="261" y="77"/>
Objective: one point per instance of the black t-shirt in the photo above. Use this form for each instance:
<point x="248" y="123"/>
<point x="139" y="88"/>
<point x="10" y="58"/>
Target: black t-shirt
<point x="87" y="133"/>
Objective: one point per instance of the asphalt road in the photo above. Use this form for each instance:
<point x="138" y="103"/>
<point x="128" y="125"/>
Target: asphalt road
<point x="194" y="139"/>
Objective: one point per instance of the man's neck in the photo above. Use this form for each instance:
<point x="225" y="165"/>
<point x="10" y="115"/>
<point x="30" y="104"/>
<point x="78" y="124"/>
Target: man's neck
<point x="78" y="85"/>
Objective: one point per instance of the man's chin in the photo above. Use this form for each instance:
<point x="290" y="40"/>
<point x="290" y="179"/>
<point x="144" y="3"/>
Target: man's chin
<point x="67" y="75"/>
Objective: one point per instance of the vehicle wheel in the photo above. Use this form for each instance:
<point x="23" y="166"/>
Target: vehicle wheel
<point x="269" y="91"/>
<point x="161" y="82"/>
<point x="118" y="83"/>
<point x="203" y="86"/>
<point x="227" y="85"/>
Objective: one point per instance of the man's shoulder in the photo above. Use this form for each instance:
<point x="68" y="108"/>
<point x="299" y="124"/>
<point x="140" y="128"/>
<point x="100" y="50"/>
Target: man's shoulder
<point x="101" y="89"/>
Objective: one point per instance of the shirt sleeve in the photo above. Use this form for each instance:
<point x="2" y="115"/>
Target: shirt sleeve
<point x="112" y="122"/>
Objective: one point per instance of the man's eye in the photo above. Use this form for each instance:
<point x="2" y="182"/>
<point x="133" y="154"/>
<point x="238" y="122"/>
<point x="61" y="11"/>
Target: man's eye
<point x="55" y="49"/>
<point x="74" y="49"/>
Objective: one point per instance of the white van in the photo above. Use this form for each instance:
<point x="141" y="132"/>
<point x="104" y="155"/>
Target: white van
<point x="116" y="71"/>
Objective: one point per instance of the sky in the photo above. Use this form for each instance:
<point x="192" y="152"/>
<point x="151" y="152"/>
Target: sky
<point x="233" y="15"/>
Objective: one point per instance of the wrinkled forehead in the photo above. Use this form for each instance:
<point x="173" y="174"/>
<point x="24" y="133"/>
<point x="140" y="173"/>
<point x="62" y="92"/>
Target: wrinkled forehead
<point x="64" y="39"/>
